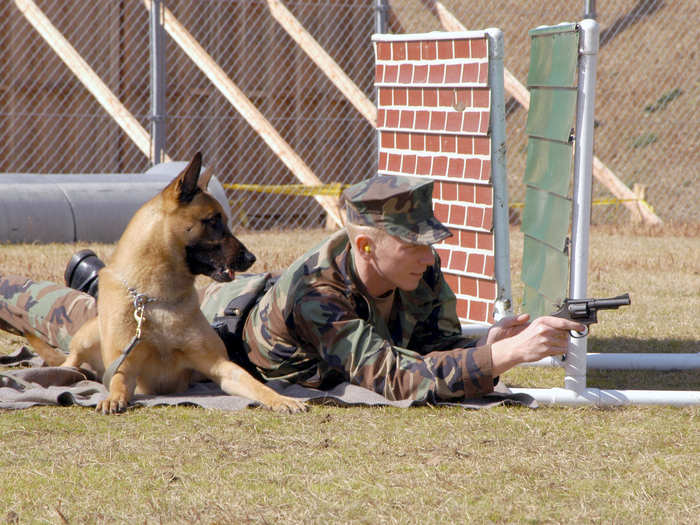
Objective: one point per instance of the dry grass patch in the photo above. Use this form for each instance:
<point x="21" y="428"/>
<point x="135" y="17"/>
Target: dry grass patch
<point x="384" y="465"/>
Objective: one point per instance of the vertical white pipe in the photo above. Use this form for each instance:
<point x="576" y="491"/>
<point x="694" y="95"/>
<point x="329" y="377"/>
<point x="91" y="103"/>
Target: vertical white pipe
<point x="503" y="305"/>
<point x="575" y="363"/>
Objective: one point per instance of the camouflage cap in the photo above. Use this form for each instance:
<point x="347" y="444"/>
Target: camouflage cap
<point x="399" y="205"/>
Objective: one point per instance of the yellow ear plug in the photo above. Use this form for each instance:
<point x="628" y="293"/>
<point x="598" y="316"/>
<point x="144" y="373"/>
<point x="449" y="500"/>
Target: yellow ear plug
<point x="367" y="248"/>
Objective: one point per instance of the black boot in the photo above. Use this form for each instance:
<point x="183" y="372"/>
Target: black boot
<point x="81" y="272"/>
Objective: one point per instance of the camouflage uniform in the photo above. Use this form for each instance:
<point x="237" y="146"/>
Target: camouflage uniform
<point x="317" y="325"/>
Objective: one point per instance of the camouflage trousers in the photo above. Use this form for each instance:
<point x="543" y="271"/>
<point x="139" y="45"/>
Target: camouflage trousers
<point x="54" y="312"/>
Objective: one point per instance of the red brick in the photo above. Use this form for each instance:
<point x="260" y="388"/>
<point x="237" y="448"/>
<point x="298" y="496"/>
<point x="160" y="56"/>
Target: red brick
<point x="470" y="73"/>
<point x="484" y="122"/>
<point x="437" y="190"/>
<point x="453" y="73"/>
<point x="456" y="168"/>
<point x="439" y="167"/>
<point x="400" y="96"/>
<point x="379" y="73"/>
<point x="487" y="290"/>
<point x="423" y="166"/>
<point x="407" y="118"/>
<point x="405" y="73"/>
<point x="466" y="192"/>
<point x="415" y="97"/>
<point x="428" y="50"/>
<point x="482" y="146"/>
<point x="488" y="219"/>
<point x="475" y="216"/>
<point x="385" y="97"/>
<point x="422" y="119"/>
<point x="465" y="145"/>
<point x="383" y="51"/>
<point x="490" y="314"/>
<point x="470" y="123"/>
<point x="467" y="239"/>
<point x="392" y="118"/>
<point x="468" y="286"/>
<point x="394" y="162"/>
<point x="441" y="212"/>
<point x="430" y="97"/>
<point x="481" y="98"/>
<point x="413" y="50"/>
<point x="381" y="117"/>
<point x="454" y="121"/>
<point x="437" y="120"/>
<point x="432" y="142"/>
<point x="409" y="164"/>
<point x="444" y="49"/>
<point x="448" y="143"/>
<point x="387" y="140"/>
<point x="437" y="72"/>
<point x="417" y="142"/>
<point x="454" y="240"/>
<point x="486" y="170"/>
<point x="483" y="73"/>
<point x="420" y="74"/>
<point x="473" y="169"/>
<point x="457" y="214"/>
<point x="445" y="97"/>
<point x="449" y="191"/>
<point x="461" y="48"/>
<point x="478" y="311"/>
<point x="484" y="241"/>
<point x="462" y="307"/>
<point x="383" y="160"/>
<point x="452" y="281"/>
<point x="391" y="73"/>
<point x="462" y="98"/>
<point x="402" y="140"/>
<point x="458" y="261"/>
<point x="475" y="263"/>
<point x="484" y="195"/>
<point x="399" y="50"/>
<point x="478" y="48"/>
<point x="489" y="266"/>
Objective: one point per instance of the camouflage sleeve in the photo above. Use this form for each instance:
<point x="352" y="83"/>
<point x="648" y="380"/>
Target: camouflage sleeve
<point x="351" y="346"/>
<point x="441" y="329"/>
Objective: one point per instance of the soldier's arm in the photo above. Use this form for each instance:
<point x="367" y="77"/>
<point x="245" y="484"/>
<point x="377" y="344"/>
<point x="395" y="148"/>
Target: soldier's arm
<point x="351" y="346"/>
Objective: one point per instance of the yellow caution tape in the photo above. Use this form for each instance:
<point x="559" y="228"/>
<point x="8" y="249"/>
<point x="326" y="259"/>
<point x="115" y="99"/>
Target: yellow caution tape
<point x="336" y="188"/>
<point x="333" y="190"/>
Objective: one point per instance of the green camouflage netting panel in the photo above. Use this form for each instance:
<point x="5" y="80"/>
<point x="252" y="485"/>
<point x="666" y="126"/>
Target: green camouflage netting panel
<point x="547" y="216"/>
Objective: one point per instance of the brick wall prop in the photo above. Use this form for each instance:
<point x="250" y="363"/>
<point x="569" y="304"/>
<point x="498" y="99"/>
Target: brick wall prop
<point x="434" y="104"/>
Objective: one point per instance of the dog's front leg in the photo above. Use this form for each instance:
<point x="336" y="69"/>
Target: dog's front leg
<point x="121" y="390"/>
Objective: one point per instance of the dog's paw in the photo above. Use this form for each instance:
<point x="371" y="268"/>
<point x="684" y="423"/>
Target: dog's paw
<point x="288" y="405"/>
<point x="112" y="405"/>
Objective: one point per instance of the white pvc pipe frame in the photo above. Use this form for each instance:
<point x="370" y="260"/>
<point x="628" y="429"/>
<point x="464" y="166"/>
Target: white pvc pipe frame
<point x="578" y="360"/>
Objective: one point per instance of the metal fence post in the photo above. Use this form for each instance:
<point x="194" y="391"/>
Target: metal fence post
<point x="158" y="83"/>
<point x="380" y="16"/>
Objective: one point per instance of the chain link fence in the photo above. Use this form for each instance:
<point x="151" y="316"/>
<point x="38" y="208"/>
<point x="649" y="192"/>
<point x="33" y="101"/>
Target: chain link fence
<point x="648" y="93"/>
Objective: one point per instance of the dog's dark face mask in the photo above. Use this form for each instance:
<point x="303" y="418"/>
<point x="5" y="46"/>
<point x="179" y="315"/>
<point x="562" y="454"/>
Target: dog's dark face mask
<point x="210" y="248"/>
<point x="216" y="252"/>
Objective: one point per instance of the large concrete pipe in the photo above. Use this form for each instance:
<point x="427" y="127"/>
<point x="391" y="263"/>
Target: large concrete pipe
<point x="88" y="207"/>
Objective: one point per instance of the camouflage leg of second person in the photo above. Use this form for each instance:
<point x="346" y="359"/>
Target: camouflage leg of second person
<point x="50" y="311"/>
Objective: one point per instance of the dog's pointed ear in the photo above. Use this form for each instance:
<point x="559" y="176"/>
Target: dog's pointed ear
<point x="204" y="178"/>
<point x="184" y="187"/>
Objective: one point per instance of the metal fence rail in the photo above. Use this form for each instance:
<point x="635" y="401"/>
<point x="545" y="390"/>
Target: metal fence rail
<point x="51" y="122"/>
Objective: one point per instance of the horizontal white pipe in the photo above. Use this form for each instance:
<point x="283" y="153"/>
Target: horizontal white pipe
<point x="632" y="361"/>
<point x="601" y="397"/>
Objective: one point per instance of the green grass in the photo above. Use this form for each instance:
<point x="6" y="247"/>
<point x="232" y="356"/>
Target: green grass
<point x="386" y="465"/>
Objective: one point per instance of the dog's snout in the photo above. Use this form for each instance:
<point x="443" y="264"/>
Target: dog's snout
<point x="245" y="260"/>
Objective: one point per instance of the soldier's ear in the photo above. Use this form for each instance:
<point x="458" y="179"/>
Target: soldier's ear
<point x="364" y="245"/>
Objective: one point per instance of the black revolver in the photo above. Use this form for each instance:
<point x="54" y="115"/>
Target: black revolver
<point x="585" y="311"/>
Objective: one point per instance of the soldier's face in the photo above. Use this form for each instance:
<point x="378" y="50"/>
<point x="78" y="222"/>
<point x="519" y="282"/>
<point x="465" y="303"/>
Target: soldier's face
<point x="402" y="264"/>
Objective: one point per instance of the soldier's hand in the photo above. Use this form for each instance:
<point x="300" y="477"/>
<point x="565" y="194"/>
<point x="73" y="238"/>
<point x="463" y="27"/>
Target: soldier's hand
<point x="545" y="336"/>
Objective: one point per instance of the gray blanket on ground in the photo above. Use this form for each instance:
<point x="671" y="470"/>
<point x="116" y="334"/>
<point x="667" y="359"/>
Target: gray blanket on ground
<point x="31" y="383"/>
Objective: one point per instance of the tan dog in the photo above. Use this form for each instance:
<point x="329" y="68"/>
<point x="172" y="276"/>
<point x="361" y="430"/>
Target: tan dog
<point x="173" y="237"/>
